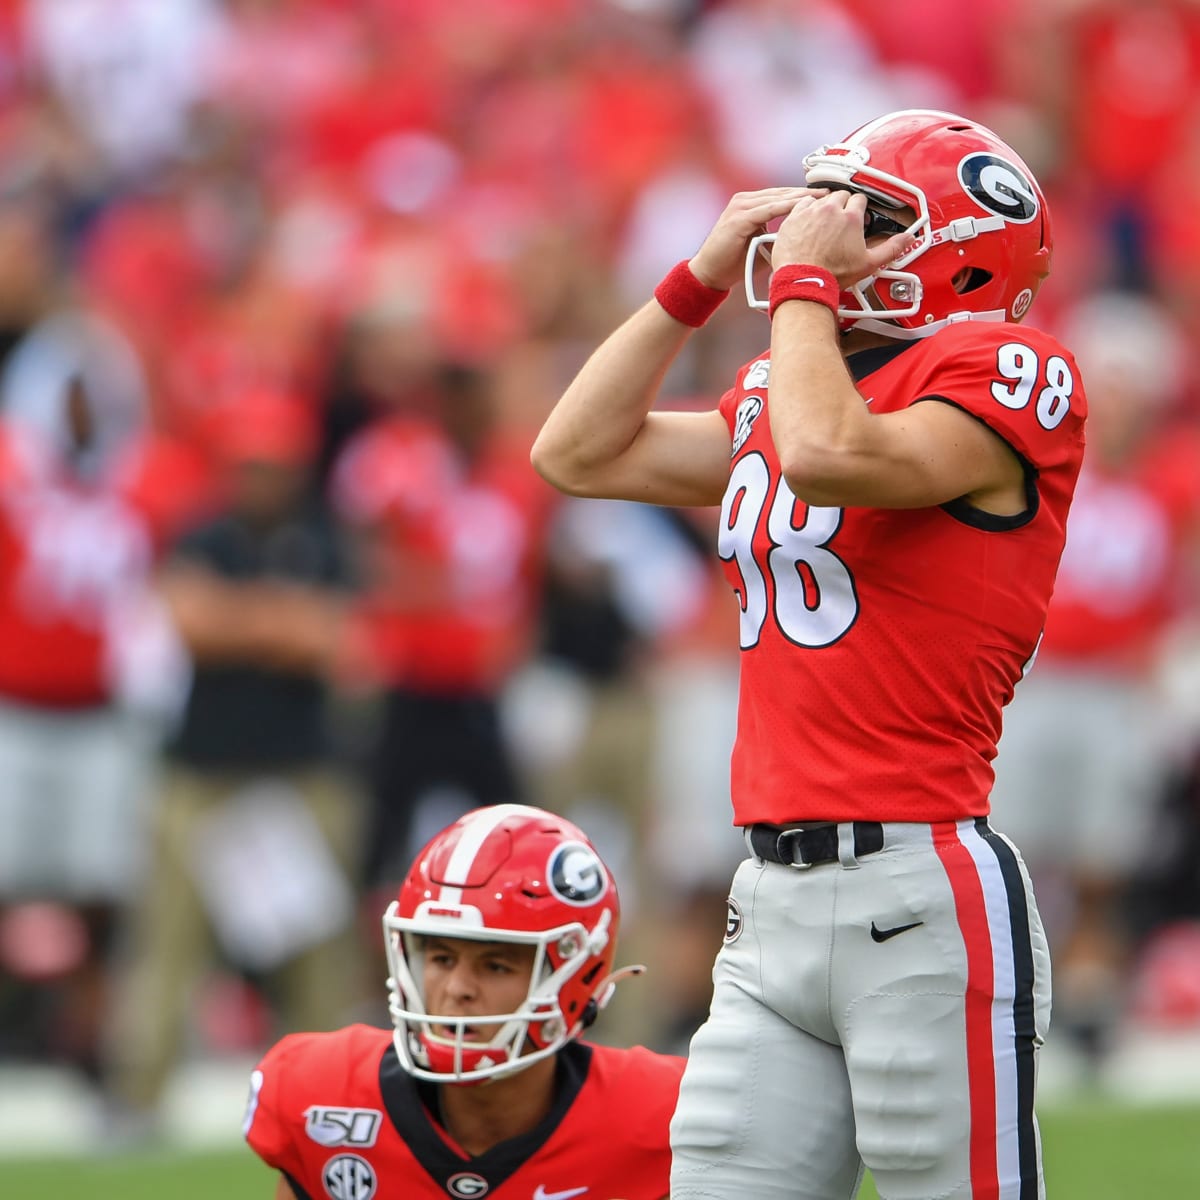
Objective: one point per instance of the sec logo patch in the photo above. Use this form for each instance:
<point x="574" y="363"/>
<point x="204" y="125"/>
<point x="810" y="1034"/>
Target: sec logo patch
<point x="733" y="921"/>
<point x="348" y="1177"/>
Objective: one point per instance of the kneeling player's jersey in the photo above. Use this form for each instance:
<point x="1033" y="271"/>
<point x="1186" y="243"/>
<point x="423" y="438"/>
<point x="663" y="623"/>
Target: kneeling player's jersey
<point x="879" y="646"/>
<point x="339" y="1116"/>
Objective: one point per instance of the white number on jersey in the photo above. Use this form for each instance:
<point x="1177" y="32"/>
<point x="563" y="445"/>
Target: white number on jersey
<point x="814" y="599"/>
<point x="1022" y="367"/>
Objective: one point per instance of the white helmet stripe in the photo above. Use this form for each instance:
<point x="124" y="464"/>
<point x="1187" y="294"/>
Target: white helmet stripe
<point x="474" y="835"/>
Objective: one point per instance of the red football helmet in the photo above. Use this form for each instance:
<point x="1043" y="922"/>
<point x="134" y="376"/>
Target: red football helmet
<point x="982" y="228"/>
<point x="505" y="873"/>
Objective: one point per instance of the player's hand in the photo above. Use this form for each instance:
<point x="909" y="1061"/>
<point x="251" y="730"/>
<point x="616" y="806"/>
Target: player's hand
<point x="721" y="260"/>
<point x="827" y="231"/>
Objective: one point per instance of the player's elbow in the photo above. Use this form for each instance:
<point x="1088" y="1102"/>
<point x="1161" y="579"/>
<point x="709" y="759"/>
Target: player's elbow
<point x="814" y="477"/>
<point x="558" y="468"/>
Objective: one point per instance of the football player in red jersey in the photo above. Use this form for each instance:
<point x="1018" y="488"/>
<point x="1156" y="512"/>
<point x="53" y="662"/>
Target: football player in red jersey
<point x="500" y="947"/>
<point x="892" y="515"/>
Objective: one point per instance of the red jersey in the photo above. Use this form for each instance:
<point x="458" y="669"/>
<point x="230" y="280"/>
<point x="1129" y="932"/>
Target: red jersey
<point x="1123" y="576"/>
<point x="338" y="1115"/>
<point x="879" y="646"/>
<point x="453" y="587"/>
<point x="72" y="557"/>
<point x="1135" y="73"/>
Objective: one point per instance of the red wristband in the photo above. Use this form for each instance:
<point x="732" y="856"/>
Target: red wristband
<point x="685" y="298"/>
<point x="803" y="282"/>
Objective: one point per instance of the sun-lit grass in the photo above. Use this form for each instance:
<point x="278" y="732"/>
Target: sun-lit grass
<point x="1093" y="1152"/>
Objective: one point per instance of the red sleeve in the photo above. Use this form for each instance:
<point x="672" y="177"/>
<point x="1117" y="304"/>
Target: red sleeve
<point x="654" y="1086"/>
<point x="729" y="407"/>
<point x="753" y="375"/>
<point x="303" y="1070"/>
<point x="644" y="1086"/>
<point x="266" y="1123"/>
<point x="1019" y="381"/>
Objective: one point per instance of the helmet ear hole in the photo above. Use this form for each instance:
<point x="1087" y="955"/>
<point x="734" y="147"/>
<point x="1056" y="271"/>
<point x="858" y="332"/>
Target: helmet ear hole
<point x="970" y="279"/>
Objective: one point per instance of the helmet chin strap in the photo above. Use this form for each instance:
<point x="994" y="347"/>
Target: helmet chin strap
<point x="901" y="334"/>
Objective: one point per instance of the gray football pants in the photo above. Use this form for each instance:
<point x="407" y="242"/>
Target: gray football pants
<point x="883" y="1011"/>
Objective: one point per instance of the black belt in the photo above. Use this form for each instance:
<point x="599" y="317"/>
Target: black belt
<point x="814" y="844"/>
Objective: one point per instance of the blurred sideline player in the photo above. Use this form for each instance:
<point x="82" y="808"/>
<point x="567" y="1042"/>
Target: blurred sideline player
<point x="500" y="947"/>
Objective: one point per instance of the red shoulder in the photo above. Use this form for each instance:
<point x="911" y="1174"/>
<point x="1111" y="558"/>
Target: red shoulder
<point x="638" y="1088"/>
<point x="638" y="1071"/>
<point x="1017" y="379"/>
<point x="980" y="343"/>
<point x="307" y="1069"/>
<point x="339" y="1052"/>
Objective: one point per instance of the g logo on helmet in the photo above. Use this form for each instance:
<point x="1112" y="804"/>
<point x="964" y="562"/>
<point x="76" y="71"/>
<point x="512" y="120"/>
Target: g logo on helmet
<point x="349" y="1177"/>
<point x="998" y="186"/>
<point x="466" y="1185"/>
<point x="576" y="875"/>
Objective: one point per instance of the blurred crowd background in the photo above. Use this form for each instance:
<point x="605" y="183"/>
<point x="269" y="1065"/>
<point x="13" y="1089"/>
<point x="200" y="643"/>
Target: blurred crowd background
<point x="286" y="289"/>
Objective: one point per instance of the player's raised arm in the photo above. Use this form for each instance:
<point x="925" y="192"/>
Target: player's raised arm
<point x="602" y="439"/>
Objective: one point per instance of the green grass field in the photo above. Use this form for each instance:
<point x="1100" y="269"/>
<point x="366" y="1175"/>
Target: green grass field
<point x="1092" y="1153"/>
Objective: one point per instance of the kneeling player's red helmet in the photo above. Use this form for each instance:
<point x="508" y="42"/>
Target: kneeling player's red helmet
<point x="506" y="873"/>
<point x="982" y="229"/>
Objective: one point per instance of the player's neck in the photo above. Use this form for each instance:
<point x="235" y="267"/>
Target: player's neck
<point x="478" y="1118"/>
<point x="863" y="339"/>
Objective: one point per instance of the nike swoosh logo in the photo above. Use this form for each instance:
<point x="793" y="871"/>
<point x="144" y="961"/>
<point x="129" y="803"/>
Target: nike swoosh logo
<point x="882" y="935"/>
<point x="542" y="1194"/>
<point x="811" y="279"/>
